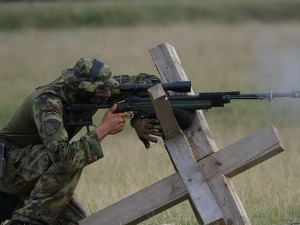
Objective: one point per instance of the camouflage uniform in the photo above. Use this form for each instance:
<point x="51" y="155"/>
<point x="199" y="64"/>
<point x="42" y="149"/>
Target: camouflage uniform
<point x="43" y="166"/>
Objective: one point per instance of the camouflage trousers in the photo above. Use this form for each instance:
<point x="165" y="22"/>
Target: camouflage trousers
<point x="36" y="177"/>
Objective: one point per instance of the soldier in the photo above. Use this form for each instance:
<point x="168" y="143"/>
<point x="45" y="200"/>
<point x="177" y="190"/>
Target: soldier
<point x="39" y="165"/>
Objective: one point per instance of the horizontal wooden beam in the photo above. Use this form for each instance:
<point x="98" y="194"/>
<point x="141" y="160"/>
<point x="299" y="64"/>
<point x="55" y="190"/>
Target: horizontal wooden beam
<point x="141" y="205"/>
<point x="243" y="154"/>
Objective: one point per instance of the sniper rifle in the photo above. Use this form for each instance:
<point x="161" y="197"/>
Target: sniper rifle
<point x="81" y="114"/>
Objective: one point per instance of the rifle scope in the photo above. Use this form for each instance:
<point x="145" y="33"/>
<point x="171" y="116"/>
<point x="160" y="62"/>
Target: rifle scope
<point x="178" y="86"/>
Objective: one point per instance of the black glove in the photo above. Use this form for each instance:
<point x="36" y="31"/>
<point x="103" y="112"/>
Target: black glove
<point x="145" y="127"/>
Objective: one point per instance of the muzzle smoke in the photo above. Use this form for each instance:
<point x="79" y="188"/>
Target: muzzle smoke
<point x="278" y="60"/>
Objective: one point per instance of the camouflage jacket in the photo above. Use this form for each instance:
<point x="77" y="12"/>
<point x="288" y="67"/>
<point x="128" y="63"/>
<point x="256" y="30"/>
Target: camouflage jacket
<point x="40" y="120"/>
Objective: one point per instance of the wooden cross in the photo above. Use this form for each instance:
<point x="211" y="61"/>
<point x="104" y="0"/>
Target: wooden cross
<point x="202" y="172"/>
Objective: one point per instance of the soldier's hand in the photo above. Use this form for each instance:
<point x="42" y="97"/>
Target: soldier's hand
<point x="112" y="123"/>
<point x="144" y="128"/>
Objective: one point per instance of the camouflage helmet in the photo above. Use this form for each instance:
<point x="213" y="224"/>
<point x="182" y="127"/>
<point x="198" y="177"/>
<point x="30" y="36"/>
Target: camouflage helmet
<point x="91" y="73"/>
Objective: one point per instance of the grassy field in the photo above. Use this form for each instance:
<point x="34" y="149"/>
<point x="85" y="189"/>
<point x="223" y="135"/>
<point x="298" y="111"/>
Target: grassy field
<point x="249" y="57"/>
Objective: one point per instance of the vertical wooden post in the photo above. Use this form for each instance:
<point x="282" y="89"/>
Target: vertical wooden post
<point x="200" y="138"/>
<point x="203" y="202"/>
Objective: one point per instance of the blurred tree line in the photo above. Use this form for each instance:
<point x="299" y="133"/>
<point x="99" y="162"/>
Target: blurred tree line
<point x="16" y="14"/>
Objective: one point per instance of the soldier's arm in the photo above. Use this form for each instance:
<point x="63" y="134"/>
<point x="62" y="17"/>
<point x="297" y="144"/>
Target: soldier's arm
<point x="48" y="116"/>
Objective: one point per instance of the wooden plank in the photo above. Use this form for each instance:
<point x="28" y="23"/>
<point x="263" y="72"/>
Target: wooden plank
<point x="169" y="66"/>
<point x="171" y="190"/>
<point x="204" y="204"/>
<point x="234" y="159"/>
<point x="141" y="205"/>
<point x="243" y="154"/>
<point x="200" y="137"/>
<point x="170" y="127"/>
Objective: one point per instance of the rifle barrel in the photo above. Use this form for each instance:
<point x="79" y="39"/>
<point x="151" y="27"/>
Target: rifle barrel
<point x="261" y="96"/>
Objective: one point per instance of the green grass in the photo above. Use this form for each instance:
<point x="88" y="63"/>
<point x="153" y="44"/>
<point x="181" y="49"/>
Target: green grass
<point x="16" y="15"/>
<point x="216" y="57"/>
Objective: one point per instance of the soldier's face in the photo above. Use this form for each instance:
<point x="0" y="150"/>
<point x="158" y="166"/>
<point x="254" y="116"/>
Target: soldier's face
<point x="98" y="96"/>
<point x="94" y="92"/>
<point x="101" y="96"/>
